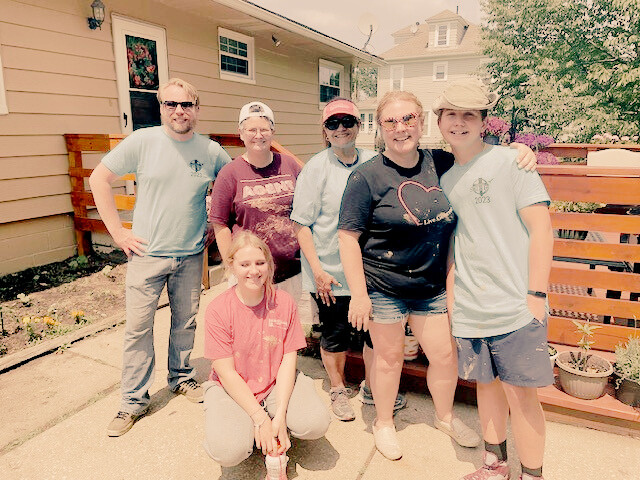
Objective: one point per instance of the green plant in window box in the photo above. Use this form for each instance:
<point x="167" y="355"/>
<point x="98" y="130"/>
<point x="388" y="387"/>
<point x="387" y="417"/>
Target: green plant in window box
<point x="574" y="207"/>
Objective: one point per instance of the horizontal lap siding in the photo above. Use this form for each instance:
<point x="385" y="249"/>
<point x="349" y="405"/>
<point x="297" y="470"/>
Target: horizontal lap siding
<point x="60" y="78"/>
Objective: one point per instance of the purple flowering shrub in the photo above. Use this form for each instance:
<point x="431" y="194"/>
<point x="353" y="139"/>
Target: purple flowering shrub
<point x="496" y="126"/>
<point x="536" y="142"/>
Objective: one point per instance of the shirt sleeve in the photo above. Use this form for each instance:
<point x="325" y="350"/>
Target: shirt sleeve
<point x="218" y="337"/>
<point x="220" y="157"/>
<point x="355" y="209"/>
<point x="528" y="187"/>
<point x="308" y="195"/>
<point x="222" y="196"/>
<point x="124" y="157"/>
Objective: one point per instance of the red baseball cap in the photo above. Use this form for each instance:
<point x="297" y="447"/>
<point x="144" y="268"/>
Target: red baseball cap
<point x="346" y="107"/>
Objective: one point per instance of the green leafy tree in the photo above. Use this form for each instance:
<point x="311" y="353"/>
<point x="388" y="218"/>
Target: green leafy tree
<point x="365" y="81"/>
<point x="574" y="65"/>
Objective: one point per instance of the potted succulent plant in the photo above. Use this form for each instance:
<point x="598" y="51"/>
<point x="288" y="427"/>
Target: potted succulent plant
<point x="583" y="374"/>
<point x="578" y="207"/>
<point x="627" y="372"/>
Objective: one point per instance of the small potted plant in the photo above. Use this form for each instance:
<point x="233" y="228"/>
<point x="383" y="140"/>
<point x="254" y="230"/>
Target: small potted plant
<point x="583" y="374"/>
<point x="576" y="207"/>
<point x="627" y="372"/>
<point x="553" y="354"/>
<point x="494" y="129"/>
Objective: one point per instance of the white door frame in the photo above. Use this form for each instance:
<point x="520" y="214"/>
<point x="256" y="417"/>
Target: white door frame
<point x="122" y="26"/>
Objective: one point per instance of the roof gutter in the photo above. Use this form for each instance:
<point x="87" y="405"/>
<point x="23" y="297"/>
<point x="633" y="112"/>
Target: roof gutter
<point x="285" y="23"/>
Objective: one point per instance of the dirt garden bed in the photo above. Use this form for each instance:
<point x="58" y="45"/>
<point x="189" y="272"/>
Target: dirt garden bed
<point x="52" y="300"/>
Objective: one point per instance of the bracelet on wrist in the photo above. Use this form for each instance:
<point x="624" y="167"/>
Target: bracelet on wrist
<point x="537" y="293"/>
<point x="258" y="424"/>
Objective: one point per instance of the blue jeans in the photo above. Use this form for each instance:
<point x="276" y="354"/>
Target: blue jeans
<point x="146" y="276"/>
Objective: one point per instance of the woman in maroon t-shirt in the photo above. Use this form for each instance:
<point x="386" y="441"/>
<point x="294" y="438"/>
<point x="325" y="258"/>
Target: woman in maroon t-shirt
<point x="255" y="192"/>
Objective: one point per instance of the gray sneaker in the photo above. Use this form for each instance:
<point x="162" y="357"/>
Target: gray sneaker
<point x="366" y="397"/>
<point x="340" y="404"/>
<point x="123" y="422"/>
<point x="191" y="389"/>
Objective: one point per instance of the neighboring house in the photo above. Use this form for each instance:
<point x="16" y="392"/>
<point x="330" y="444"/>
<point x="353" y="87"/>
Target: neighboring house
<point x="57" y="76"/>
<point x="425" y="59"/>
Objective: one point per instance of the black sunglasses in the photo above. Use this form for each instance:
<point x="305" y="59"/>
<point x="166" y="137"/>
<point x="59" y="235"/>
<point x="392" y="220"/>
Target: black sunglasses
<point x="334" y="122"/>
<point x="173" y="105"/>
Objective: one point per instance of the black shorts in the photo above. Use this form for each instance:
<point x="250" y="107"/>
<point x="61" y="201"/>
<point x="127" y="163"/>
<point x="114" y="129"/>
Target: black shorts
<point x="337" y="333"/>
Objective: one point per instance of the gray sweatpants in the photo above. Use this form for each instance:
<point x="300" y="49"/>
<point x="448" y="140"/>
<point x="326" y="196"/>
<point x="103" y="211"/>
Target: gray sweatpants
<point x="228" y="429"/>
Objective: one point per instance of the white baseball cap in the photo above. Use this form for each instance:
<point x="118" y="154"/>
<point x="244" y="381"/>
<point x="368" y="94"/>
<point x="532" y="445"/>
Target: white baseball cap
<point x="256" y="109"/>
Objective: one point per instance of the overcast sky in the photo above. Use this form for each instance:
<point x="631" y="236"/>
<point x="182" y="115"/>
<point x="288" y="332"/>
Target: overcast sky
<point x="339" y="18"/>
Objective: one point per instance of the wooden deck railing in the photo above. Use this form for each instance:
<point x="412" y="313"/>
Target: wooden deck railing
<point x="81" y="196"/>
<point x="574" y="288"/>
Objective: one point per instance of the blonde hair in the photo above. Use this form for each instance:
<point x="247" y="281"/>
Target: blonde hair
<point x="398" y="96"/>
<point x="178" y="82"/>
<point x="245" y="238"/>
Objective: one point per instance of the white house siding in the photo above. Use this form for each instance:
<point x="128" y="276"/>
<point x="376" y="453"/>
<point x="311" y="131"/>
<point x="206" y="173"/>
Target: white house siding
<point x="60" y="78"/>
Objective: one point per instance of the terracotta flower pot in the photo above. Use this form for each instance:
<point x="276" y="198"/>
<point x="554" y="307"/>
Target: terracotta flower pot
<point x="586" y="385"/>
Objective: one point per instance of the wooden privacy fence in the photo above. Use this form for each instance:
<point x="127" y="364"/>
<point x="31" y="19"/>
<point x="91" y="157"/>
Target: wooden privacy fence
<point x="612" y="265"/>
<point x="81" y="197"/>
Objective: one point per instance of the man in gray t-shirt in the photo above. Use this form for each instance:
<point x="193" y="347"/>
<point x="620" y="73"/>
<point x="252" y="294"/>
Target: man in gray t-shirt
<point x="174" y="167"/>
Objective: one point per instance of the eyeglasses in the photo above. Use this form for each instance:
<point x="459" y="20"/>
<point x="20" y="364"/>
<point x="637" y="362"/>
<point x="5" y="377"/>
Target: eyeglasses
<point x="171" y="105"/>
<point x="334" y="122"/>
<point x="408" y="120"/>
<point x="252" y="132"/>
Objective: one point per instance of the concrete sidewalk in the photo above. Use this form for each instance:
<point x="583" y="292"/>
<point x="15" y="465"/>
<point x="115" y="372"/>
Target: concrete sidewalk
<point x="55" y="410"/>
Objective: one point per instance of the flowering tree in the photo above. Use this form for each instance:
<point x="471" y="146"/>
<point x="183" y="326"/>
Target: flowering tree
<point x="574" y="66"/>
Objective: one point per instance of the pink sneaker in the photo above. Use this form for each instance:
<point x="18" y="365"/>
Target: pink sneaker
<point x="494" y="471"/>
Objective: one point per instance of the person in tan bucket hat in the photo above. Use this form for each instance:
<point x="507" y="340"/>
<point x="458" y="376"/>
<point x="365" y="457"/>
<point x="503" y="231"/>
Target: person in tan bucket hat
<point x="469" y="94"/>
<point x="502" y="247"/>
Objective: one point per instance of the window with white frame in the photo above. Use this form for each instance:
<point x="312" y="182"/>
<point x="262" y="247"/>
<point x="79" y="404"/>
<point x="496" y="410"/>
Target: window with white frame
<point x="396" y="78"/>
<point x="236" y="56"/>
<point x="330" y="76"/>
<point x="3" y="97"/>
<point x="442" y="35"/>
<point x="362" y="122"/>
<point x="440" y="71"/>
<point x="370" y="123"/>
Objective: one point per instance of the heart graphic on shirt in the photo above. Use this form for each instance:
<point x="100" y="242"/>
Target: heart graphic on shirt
<point x="412" y="191"/>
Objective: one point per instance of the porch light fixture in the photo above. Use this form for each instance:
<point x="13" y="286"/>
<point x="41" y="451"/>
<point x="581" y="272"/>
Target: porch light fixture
<point x="275" y="40"/>
<point x="98" y="15"/>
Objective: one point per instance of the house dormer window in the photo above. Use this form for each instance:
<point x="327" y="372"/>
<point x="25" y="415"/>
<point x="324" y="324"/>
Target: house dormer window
<point x="442" y="35"/>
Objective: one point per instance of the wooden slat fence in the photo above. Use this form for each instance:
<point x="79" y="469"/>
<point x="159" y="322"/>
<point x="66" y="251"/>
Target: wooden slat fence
<point x="81" y="196"/>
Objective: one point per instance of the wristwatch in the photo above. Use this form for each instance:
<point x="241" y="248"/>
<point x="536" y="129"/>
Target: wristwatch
<point x="537" y="294"/>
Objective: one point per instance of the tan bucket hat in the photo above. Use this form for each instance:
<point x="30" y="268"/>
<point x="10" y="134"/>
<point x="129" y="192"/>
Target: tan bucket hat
<point x="468" y="94"/>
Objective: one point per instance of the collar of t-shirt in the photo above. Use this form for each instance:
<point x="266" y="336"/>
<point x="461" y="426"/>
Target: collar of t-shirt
<point x="350" y="164"/>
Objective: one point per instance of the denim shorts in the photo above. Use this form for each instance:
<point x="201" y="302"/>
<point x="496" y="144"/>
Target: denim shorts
<point x="519" y="358"/>
<point x="389" y="310"/>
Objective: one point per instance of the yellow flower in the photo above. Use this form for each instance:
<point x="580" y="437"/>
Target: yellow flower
<point x="26" y="320"/>
<point x="50" y="321"/>
<point x="77" y="313"/>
